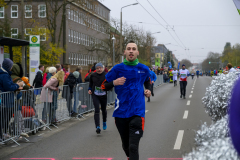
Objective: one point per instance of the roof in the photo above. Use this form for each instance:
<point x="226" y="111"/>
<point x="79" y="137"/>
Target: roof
<point x="5" y="41"/>
<point x="114" y="30"/>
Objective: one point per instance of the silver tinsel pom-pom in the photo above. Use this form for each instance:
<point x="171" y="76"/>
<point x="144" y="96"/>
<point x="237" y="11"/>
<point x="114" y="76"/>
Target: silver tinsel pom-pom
<point x="219" y="129"/>
<point x="218" y="95"/>
<point x="216" y="149"/>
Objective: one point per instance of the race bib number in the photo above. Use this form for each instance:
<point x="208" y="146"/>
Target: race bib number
<point x="99" y="92"/>
<point x="183" y="75"/>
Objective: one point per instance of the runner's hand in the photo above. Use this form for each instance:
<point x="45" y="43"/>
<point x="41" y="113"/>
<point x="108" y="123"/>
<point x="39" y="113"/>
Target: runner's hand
<point x="89" y="92"/>
<point x="119" y="81"/>
<point x="20" y="83"/>
<point x="147" y="93"/>
<point x="152" y="82"/>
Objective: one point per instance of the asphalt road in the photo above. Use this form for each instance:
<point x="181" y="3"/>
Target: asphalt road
<point x="169" y="131"/>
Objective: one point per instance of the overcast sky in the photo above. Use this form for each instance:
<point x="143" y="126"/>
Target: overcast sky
<point x="207" y="24"/>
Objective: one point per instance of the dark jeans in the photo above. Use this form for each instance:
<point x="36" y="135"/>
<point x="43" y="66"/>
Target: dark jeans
<point x="130" y="130"/>
<point x="96" y="101"/>
<point x="69" y="103"/>
<point x="183" y="85"/>
<point x="5" y="116"/>
<point x="192" y="76"/>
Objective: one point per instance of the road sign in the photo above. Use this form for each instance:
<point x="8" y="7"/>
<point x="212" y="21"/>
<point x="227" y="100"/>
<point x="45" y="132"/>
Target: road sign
<point x="34" y="52"/>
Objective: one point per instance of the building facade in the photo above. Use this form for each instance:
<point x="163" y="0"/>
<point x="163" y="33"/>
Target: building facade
<point x="82" y="30"/>
<point x="160" y="53"/>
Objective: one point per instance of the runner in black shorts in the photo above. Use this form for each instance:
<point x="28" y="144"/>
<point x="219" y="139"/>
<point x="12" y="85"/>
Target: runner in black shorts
<point x="128" y="79"/>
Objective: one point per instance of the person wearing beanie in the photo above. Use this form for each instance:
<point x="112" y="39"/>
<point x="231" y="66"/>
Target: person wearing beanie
<point x="128" y="79"/>
<point x="71" y="81"/>
<point x="99" y="96"/>
<point x="183" y="74"/>
<point x="7" y="103"/>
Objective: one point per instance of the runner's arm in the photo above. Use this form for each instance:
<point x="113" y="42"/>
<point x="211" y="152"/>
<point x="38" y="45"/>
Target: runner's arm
<point x="147" y="84"/>
<point x="90" y="84"/>
<point x="106" y="86"/>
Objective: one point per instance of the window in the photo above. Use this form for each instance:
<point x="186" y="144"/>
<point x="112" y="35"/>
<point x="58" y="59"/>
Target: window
<point x="69" y="35"/>
<point x="28" y="11"/>
<point x="42" y="34"/>
<point x="74" y="40"/>
<point x="1" y="12"/>
<point x="14" y="11"/>
<point x="71" y="14"/>
<point x="77" y="16"/>
<point x="14" y="33"/>
<point x="77" y="37"/>
<point x="28" y="31"/>
<point x="42" y="11"/>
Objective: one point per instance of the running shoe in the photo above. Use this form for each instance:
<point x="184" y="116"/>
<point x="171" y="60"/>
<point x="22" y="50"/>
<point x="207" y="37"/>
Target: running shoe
<point x="181" y="96"/>
<point x="184" y="97"/>
<point x="104" y="125"/>
<point x="98" y="130"/>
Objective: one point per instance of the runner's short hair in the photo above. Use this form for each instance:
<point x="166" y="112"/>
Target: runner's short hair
<point x="40" y="66"/>
<point x="130" y="41"/>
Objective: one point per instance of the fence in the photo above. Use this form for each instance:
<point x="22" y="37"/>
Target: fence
<point x="31" y="110"/>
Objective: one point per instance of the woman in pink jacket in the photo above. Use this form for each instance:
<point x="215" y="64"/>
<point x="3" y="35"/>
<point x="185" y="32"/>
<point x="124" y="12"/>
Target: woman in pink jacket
<point x="50" y="105"/>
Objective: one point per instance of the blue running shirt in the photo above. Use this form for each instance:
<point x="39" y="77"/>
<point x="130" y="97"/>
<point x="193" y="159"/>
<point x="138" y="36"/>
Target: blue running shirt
<point x="130" y="99"/>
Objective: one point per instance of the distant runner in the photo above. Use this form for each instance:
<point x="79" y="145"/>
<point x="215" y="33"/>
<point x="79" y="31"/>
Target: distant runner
<point x="183" y="73"/>
<point x="175" y="73"/>
<point x="128" y="78"/>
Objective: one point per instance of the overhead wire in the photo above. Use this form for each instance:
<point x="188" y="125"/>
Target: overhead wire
<point x="157" y="21"/>
<point x="167" y="23"/>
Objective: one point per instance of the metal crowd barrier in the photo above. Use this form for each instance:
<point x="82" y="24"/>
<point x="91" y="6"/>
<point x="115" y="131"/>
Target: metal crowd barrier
<point x="159" y="81"/>
<point x="29" y="111"/>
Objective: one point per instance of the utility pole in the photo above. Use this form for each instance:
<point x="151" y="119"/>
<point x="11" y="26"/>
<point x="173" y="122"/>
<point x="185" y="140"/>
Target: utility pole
<point x="24" y="66"/>
<point x="64" y="32"/>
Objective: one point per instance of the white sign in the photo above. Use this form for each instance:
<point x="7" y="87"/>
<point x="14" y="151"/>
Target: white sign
<point x="34" y="53"/>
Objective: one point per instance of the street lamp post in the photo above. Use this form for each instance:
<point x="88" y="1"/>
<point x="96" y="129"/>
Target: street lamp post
<point x="113" y="63"/>
<point x="121" y="28"/>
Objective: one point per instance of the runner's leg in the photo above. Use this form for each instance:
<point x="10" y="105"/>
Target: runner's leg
<point x="103" y="101"/>
<point x="97" y="109"/>
<point x="123" y="129"/>
<point x="136" y="127"/>
<point x="181" y="88"/>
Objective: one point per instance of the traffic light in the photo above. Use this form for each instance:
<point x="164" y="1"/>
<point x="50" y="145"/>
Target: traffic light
<point x="209" y="62"/>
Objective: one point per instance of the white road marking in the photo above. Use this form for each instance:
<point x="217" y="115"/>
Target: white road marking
<point x="192" y="88"/>
<point x="185" y="114"/>
<point x="190" y="96"/>
<point x="146" y="111"/>
<point x="191" y="91"/>
<point x="178" y="142"/>
<point x="188" y="102"/>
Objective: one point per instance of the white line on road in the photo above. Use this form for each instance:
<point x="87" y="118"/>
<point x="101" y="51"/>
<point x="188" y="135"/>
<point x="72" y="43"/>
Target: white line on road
<point x="191" y="91"/>
<point x="190" y="96"/>
<point x="179" y="140"/>
<point x="185" y="114"/>
<point x="188" y="102"/>
<point x="192" y="88"/>
<point x="146" y="111"/>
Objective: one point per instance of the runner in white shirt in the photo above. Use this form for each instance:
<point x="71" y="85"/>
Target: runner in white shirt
<point x="231" y="69"/>
<point x="175" y="74"/>
<point x="183" y="73"/>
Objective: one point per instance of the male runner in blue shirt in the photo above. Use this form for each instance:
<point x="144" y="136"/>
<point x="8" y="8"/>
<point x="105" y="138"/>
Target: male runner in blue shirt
<point x="128" y="79"/>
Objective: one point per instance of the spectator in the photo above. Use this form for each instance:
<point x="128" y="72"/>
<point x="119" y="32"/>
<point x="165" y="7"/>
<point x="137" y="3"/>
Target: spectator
<point x="45" y="76"/>
<point x="17" y="74"/>
<point x="50" y="73"/>
<point x="71" y="81"/>
<point x="79" y="69"/>
<point x="7" y="103"/>
<point x="165" y="77"/>
<point x="158" y="71"/>
<point x="87" y="79"/>
<point x="93" y="67"/>
<point x="230" y="68"/>
<point x="50" y="98"/>
<point x="37" y="83"/>
<point x="64" y="70"/>
<point x="106" y="70"/>
<point x="58" y="67"/>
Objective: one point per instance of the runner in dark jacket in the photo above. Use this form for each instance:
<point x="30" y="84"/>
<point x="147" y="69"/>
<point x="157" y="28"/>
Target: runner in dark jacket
<point x="99" y="96"/>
